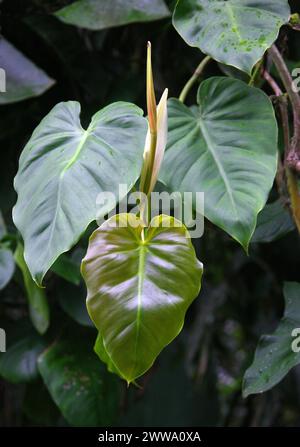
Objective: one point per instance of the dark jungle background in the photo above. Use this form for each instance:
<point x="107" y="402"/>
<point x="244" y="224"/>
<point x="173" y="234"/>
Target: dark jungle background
<point x="196" y="381"/>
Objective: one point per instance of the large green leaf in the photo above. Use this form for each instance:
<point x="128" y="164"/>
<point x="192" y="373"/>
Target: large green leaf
<point x="19" y="363"/>
<point x="23" y="78"/>
<point x="7" y="267"/>
<point x="84" y="391"/>
<point x="219" y="148"/>
<point x="101" y="14"/>
<point x="276" y="353"/>
<point x="37" y="300"/>
<point x="273" y="222"/>
<point x="139" y="289"/>
<point x="62" y="170"/>
<point x="235" y="32"/>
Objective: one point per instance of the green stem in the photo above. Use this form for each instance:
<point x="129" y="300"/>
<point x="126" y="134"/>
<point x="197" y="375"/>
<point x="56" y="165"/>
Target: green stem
<point x="198" y="72"/>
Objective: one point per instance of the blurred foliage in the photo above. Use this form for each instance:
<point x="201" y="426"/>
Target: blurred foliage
<point x="198" y="379"/>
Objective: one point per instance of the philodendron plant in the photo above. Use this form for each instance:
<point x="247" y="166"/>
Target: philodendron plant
<point x="142" y="274"/>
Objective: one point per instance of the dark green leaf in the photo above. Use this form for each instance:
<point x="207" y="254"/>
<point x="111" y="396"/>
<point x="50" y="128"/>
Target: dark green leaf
<point x="23" y="78"/>
<point x="19" y="363"/>
<point x="276" y="354"/>
<point x="68" y="269"/>
<point x="2" y="227"/>
<point x="7" y="267"/>
<point x="139" y="289"/>
<point x="101" y="14"/>
<point x="219" y="148"/>
<point x="273" y="222"/>
<point x="235" y="32"/>
<point x="37" y="300"/>
<point x="73" y="301"/>
<point x="62" y="170"/>
<point x="84" y="391"/>
<point x="38" y="405"/>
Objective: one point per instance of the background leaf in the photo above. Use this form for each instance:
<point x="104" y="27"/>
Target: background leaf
<point x="68" y="269"/>
<point x="7" y="267"/>
<point x="235" y="32"/>
<point x="37" y="300"/>
<point x="23" y="78"/>
<point x="73" y="301"/>
<point x="38" y="405"/>
<point x="84" y="391"/>
<point x="101" y="14"/>
<point x="139" y="291"/>
<point x="220" y="149"/>
<point x="273" y="222"/>
<point x="274" y="356"/>
<point x="19" y="363"/>
<point x="62" y="170"/>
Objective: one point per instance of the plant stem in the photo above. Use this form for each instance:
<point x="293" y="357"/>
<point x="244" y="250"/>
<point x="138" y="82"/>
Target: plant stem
<point x="273" y="84"/>
<point x="293" y="156"/>
<point x="197" y="73"/>
<point x="283" y="107"/>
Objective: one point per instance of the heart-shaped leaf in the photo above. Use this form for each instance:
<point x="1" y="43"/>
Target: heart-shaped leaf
<point x="235" y="32"/>
<point x="276" y="354"/>
<point x="139" y="288"/>
<point x="101" y="14"/>
<point x="227" y="148"/>
<point x="62" y="170"/>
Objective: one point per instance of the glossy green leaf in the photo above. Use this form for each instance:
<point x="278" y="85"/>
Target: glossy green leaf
<point x="84" y="391"/>
<point x="235" y="32"/>
<point x="37" y="300"/>
<point x="273" y="222"/>
<point x="104" y="356"/>
<point x="139" y="289"/>
<point x="219" y="148"/>
<point x="7" y="267"/>
<point x="62" y="170"/>
<point x="23" y="79"/>
<point x="276" y="354"/>
<point x="101" y="14"/>
<point x="19" y="363"/>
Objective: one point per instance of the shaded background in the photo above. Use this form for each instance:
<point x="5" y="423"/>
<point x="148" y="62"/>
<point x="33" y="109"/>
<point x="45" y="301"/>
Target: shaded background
<point x="197" y="379"/>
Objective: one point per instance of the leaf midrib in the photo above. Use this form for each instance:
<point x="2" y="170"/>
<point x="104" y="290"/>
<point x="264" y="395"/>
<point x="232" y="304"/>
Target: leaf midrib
<point x="61" y="176"/>
<point x="222" y="172"/>
<point x="142" y="249"/>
